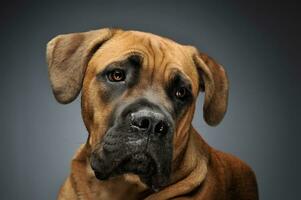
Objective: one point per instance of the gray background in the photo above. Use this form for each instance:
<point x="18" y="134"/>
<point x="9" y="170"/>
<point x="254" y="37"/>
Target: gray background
<point x="258" y="43"/>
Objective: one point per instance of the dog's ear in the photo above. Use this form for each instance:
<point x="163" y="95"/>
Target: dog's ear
<point x="213" y="80"/>
<point x="68" y="56"/>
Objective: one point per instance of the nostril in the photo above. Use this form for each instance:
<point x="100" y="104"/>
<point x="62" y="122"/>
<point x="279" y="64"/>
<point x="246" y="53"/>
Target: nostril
<point x="161" y="127"/>
<point x="142" y="123"/>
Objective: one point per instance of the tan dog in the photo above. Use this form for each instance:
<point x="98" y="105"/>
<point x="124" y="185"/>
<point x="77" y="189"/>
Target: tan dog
<point x="139" y="93"/>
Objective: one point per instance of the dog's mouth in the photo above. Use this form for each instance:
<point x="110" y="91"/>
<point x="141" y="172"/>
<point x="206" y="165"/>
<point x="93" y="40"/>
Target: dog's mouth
<point x="139" y="141"/>
<point x="141" y="164"/>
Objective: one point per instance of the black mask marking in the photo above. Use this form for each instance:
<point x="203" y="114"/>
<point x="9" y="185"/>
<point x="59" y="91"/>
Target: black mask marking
<point x="127" y="149"/>
<point x="178" y="81"/>
<point x="130" y="66"/>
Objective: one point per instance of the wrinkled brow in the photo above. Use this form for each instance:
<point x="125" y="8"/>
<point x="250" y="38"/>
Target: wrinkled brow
<point x="132" y="58"/>
<point x="178" y="78"/>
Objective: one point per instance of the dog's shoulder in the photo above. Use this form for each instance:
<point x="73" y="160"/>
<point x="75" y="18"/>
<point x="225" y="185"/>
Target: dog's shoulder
<point x="241" y="178"/>
<point x="228" y="160"/>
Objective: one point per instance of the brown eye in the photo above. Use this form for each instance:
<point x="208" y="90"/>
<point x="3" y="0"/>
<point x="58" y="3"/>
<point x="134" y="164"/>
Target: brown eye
<point x="116" y="75"/>
<point x="181" y="92"/>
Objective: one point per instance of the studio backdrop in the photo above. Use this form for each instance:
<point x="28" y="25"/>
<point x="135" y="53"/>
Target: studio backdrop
<point x="255" y="42"/>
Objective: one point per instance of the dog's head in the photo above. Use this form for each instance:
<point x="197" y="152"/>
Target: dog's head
<point x="138" y="97"/>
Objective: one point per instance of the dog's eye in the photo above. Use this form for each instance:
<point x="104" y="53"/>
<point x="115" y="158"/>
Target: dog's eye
<point x="116" y="75"/>
<point x="181" y="93"/>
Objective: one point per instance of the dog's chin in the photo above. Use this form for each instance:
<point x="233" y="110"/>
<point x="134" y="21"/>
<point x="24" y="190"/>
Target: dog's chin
<point x="140" y="164"/>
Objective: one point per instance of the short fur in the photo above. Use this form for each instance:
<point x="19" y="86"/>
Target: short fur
<point x="198" y="170"/>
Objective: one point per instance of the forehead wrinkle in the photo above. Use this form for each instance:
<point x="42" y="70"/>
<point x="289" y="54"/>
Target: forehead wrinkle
<point x="164" y="57"/>
<point x="177" y="71"/>
<point x="160" y="57"/>
<point x="153" y="55"/>
<point x="188" y="68"/>
<point x="144" y="46"/>
<point x="150" y="44"/>
<point x="101" y="61"/>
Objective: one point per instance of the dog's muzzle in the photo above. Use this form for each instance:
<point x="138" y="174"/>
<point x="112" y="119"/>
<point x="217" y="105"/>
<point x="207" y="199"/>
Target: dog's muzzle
<point x="139" y="142"/>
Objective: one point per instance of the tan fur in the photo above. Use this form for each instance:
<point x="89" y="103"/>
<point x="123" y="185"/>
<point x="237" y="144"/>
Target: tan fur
<point x="198" y="171"/>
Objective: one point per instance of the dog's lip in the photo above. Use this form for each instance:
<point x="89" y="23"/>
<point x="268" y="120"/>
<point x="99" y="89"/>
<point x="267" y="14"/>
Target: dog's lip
<point x="137" y="160"/>
<point x="149" y="172"/>
<point x="139" y="163"/>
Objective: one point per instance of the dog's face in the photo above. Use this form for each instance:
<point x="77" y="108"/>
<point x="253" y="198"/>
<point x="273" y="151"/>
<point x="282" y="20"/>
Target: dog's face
<point x="138" y="97"/>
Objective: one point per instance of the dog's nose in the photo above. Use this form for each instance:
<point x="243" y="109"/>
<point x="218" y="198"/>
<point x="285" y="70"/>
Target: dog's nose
<point x="149" y="121"/>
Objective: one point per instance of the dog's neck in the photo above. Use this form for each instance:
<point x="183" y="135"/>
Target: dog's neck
<point x="190" y="166"/>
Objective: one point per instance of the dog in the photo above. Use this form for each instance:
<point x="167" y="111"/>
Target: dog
<point x="138" y="98"/>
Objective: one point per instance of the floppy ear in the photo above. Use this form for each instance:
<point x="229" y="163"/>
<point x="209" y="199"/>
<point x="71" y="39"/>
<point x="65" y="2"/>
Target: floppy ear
<point x="214" y="81"/>
<point x="67" y="58"/>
